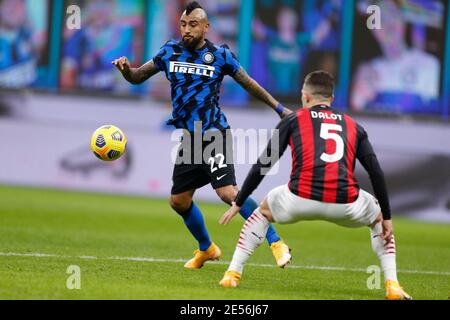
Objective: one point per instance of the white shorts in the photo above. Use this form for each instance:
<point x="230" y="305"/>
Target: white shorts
<point x="286" y="208"/>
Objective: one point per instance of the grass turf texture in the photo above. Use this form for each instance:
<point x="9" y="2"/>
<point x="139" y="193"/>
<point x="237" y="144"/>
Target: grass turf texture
<point x="69" y="225"/>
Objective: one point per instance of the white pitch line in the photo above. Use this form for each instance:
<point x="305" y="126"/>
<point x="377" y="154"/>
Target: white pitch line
<point x="144" y="259"/>
<point x="29" y="254"/>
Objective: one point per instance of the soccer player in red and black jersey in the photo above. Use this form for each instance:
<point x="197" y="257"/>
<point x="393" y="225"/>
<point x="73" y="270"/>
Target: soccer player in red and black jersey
<point x="325" y="144"/>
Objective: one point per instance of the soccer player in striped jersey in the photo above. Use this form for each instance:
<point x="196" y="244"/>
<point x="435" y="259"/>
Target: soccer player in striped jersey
<point x="195" y="68"/>
<point x="325" y="144"/>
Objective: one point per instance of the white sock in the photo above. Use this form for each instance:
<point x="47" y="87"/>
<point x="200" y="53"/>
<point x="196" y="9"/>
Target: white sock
<point x="385" y="252"/>
<point x="252" y="236"/>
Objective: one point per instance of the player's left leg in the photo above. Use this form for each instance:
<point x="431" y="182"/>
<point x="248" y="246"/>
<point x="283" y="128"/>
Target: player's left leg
<point x="278" y="247"/>
<point x="366" y="211"/>
<point x="386" y="252"/>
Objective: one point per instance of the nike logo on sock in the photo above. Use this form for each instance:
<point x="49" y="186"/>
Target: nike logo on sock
<point x="260" y="238"/>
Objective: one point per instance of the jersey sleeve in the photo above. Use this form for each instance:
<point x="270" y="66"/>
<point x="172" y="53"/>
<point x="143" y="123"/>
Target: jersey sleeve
<point x="364" y="147"/>
<point x="232" y="64"/>
<point x="158" y="57"/>
<point x="273" y="152"/>
<point x="367" y="157"/>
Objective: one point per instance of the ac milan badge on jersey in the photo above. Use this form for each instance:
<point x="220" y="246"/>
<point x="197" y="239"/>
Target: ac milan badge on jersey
<point x="208" y="57"/>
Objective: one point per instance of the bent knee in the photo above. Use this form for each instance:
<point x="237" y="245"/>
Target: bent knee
<point x="378" y="219"/>
<point x="265" y="210"/>
<point x="227" y="195"/>
<point x="180" y="204"/>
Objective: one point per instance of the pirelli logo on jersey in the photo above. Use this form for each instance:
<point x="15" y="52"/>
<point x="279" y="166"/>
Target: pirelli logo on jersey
<point x="192" y="68"/>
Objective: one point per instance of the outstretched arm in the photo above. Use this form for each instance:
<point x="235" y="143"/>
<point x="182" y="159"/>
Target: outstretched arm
<point x="135" y="75"/>
<point x="253" y="87"/>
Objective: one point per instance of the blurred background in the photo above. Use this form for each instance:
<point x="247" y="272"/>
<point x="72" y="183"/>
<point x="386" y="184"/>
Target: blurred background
<point x="57" y="85"/>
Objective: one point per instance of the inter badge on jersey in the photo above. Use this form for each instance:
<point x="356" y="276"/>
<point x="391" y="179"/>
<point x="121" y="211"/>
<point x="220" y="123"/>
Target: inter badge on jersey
<point x="208" y="57"/>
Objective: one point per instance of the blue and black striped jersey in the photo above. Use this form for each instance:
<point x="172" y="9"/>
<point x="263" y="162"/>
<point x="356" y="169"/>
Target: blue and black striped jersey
<point x="195" y="78"/>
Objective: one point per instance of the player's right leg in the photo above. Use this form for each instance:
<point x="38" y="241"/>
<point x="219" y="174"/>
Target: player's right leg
<point x="186" y="179"/>
<point x="193" y="219"/>
<point x="254" y="229"/>
<point x="252" y="236"/>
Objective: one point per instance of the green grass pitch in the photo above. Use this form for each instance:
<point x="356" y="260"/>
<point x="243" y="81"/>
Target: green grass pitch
<point x="103" y="233"/>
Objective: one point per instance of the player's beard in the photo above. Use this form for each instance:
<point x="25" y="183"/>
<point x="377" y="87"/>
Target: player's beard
<point x="190" y="43"/>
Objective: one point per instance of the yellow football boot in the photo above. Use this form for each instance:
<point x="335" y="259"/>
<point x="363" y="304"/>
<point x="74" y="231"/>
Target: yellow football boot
<point x="230" y="279"/>
<point x="200" y="257"/>
<point x="281" y="252"/>
<point x="395" y="292"/>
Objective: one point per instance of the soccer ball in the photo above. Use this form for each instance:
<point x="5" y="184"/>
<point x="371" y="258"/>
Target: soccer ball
<point x="108" y="143"/>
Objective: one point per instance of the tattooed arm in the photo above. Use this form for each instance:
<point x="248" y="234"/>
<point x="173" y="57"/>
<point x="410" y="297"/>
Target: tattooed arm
<point x="259" y="92"/>
<point x="135" y="75"/>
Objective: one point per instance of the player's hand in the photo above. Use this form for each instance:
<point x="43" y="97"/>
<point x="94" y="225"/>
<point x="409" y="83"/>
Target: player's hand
<point x="122" y="64"/>
<point x="234" y="209"/>
<point x="388" y="230"/>
<point x="286" y="112"/>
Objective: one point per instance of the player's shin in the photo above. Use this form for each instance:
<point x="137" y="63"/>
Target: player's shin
<point x="385" y="252"/>
<point x="193" y="220"/>
<point x="252" y="235"/>
<point x="247" y="209"/>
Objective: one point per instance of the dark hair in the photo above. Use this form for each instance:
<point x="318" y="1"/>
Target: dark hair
<point x="191" y="6"/>
<point x="321" y="83"/>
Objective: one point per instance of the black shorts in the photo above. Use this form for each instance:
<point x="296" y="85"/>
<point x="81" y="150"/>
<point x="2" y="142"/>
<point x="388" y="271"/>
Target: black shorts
<point x="213" y="163"/>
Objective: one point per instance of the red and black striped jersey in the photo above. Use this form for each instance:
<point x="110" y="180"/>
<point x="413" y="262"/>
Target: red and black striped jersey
<point x="325" y="144"/>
